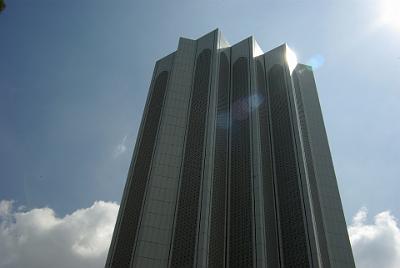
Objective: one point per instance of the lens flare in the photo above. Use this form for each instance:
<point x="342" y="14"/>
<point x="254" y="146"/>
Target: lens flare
<point x="316" y="61"/>
<point x="240" y="109"/>
<point x="255" y="101"/>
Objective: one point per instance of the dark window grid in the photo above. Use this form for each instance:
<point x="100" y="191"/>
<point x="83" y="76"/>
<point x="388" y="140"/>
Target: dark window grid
<point x="184" y="241"/>
<point x="133" y="205"/>
<point x="310" y="169"/>
<point x="240" y="221"/>
<point x="293" y="234"/>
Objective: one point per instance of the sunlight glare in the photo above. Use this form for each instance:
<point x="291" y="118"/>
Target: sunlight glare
<point x="390" y="13"/>
<point x="291" y="59"/>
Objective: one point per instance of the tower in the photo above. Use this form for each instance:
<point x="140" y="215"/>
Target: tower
<point x="232" y="166"/>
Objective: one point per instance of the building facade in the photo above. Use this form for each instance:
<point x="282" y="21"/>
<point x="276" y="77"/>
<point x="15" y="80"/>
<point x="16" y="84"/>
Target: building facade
<point x="232" y="166"/>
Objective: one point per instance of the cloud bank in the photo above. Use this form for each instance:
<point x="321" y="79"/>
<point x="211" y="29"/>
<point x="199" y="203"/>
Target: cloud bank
<point x="39" y="239"/>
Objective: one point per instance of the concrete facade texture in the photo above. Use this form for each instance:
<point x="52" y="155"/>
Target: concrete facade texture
<point x="232" y="166"/>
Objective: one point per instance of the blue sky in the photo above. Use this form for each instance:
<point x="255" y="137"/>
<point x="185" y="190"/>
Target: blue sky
<point x="74" y="76"/>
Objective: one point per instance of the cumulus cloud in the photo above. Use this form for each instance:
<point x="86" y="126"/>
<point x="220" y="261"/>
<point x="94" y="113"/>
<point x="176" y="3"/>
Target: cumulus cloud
<point x="120" y="148"/>
<point x="376" y="244"/>
<point x="5" y="207"/>
<point x="39" y="239"/>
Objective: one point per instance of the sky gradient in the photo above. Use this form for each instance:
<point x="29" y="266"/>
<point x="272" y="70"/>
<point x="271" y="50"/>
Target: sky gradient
<point x="74" y="77"/>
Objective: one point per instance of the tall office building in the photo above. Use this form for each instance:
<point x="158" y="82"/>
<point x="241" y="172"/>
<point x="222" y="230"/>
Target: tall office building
<point x="232" y="166"/>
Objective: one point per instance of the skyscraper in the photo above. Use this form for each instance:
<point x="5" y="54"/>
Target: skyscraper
<point x="232" y="166"/>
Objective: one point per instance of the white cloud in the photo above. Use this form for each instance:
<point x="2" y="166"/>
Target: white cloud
<point x="376" y="244"/>
<point x="120" y="148"/>
<point x="39" y="239"/>
<point x="5" y="207"/>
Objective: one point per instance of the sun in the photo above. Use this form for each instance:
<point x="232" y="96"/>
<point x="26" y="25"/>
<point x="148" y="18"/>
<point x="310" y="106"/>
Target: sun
<point x="390" y="13"/>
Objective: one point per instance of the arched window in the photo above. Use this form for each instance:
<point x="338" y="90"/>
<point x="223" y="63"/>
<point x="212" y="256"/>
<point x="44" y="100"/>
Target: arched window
<point x="240" y="201"/>
<point x="184" y="242"/>
<point x="218" y="213"/>
<point x="294" y="240"/>
<point x="139" y="176"/>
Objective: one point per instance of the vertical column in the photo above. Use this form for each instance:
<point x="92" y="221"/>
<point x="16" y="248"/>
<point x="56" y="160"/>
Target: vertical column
<point x="320" y="237"/>
<point x="209" y="41"/>
<point x="335" y="249"/>
<point x="188" y="208"/>
<point x="241" y="239"/>
<point x="219" y="188"/>
<point x="294" y="241"/>
<point x="131" y="208"/>
<point x="267" y="177"/>
<point x="154" y="239"/>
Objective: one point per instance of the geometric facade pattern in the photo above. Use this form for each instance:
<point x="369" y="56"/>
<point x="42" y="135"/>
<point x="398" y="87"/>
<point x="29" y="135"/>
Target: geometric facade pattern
<point x="232" y="166"/>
